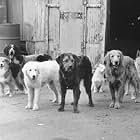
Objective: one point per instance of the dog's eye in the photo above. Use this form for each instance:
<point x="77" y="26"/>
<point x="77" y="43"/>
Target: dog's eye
<point x="111" y="56"/>
<point x="30" y="70"/>
<point x="65" y="61"/>
<point x="35" y="69"/>
<point x="72" y="61"/>
<point x="118" y="56"/>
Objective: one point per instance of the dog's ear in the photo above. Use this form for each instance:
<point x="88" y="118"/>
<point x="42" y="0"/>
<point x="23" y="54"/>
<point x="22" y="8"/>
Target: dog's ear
<point x="7" y="61"/>
<point x="107" y="59"/>
<point x="17" y="50"/>
<point x="6" y="50"/>
<point x="121" y="57"/>
<point x="59" y="59"/>
<point x="24" y="69"/>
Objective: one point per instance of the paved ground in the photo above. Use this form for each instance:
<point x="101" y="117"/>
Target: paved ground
<point x="98" y="123"/>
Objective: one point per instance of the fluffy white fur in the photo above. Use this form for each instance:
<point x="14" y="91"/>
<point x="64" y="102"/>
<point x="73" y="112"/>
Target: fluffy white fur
<point x="36" y="75"/>
<point x="98" y="79"/>
<point x="6" y="78"/>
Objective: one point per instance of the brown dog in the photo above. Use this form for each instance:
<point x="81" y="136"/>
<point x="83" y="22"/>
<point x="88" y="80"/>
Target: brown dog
<point x="120" y="70"/>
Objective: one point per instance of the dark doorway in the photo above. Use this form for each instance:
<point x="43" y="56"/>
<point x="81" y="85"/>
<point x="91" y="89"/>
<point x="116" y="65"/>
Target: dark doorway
<point x="125" y="26"/>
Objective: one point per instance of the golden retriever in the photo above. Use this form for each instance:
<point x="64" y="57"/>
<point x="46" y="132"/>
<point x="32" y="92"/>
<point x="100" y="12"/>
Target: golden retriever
<point x="120" y="69"/>
<point x="36" y="75"/>
<point x="6" y="77"/>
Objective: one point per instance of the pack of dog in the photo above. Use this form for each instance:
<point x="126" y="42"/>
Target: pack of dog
<point x="30" y="72"/>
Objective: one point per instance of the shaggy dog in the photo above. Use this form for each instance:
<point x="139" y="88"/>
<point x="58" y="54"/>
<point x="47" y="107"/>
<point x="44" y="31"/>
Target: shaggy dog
<point x="98" y="79"/>
<point x="18" y="58"/>
<point x="72" y="70"/>
<point x="6" y="77"/>
<point x="119" y="70"/>
<point x="36" y="75"/>
<point x="12" y="51"/>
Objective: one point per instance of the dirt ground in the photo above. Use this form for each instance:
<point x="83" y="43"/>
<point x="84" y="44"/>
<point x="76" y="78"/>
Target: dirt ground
<point x="97" y="123"/>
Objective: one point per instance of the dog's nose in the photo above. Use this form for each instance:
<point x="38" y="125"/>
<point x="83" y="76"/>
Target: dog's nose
<point x="33" y="77"/>
<point x="70" y="67"/>
<point x="11" y="53"/>
<point x="116" y="63"/>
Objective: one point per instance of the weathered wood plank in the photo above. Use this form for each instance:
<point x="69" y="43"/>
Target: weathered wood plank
<point x="53" y="28"/>
<point x="15" y="13"/>
<point x="96" y="22"/>
<point x="34" y="18"/>
<point x="71" y="28"/>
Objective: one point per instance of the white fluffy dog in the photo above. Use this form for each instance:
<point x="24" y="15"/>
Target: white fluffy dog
<point x="36" y="75"/>
<point x="98" y="79"/>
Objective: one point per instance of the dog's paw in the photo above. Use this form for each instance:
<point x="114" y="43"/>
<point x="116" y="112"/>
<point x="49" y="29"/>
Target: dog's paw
<point x="28" y="107"/>
<point x="112" y="105"/>
<point x="35" y="108"/>
<point x="126" y="93"/>
<point x="10" y="95"/>
<point x="95" y="91"/>
<point x="117" y="106"/>
<point x="61" y="109"/>
<point x="76" y="111"/>
<point x="91" y="105"/>
<point x="55" y="101"/>
<point x="133" y="97"/>
<point x="101" y="91"/>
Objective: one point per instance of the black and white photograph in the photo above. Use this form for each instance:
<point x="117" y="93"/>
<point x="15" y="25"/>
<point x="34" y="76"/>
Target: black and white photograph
<point x="69" y="69"/>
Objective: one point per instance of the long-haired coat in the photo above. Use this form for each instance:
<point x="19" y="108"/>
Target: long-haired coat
<point x="73" y="69"/>
<point x="119" y="70"/>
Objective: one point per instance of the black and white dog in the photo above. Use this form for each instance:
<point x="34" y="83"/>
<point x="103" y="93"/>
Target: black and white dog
<point x="72" y="70"/>
<point x="18" y="58"/>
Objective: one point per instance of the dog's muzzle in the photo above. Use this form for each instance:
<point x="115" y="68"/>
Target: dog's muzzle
<point x="33" y="77"/>
<point x="1" y="65"/>
<point x="115" y="64"/>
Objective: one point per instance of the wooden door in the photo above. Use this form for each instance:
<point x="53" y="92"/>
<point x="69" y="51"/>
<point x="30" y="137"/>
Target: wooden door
<point x="65" y="26"/>
<point x="96" y="25"/>
<point x="71" y="25"/>
<point x="77" y="26"/>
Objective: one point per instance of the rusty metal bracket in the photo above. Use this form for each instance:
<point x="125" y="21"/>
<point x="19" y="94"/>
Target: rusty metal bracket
<point x="72" y="15"/>
<point x="94" y="5"/>
<point x="64" y="15"/>
<point x="52" y="5"/>
<point x="78" y="15"/>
